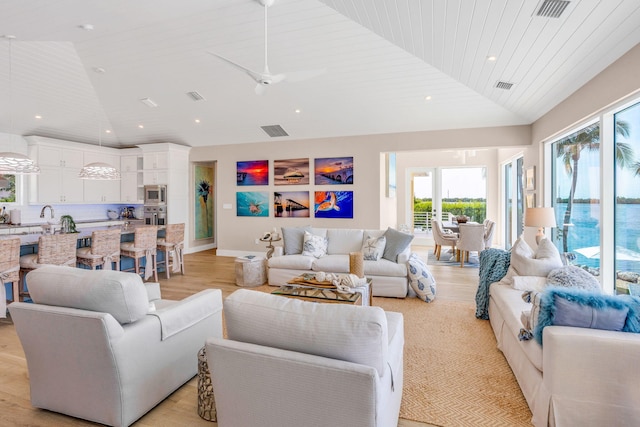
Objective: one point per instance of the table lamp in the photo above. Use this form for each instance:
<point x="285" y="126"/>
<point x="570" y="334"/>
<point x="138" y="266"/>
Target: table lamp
<point x="541" y="218"/>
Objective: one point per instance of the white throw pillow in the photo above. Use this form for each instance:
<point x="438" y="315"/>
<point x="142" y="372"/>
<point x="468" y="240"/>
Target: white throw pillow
<point x="526" y="262"/>
<point x="315" y="246"/>
<point x="420" y="278"/>
<point x="373" y="248"/>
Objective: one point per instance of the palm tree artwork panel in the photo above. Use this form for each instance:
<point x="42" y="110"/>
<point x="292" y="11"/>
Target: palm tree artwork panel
<point x="203" y="209"/>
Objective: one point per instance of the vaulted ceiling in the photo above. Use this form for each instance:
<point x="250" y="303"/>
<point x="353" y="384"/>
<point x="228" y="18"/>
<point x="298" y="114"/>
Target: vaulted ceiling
<point x="83" y="66"/>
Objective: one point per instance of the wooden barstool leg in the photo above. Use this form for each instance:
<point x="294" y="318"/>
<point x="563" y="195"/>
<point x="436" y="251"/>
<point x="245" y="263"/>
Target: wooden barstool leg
<point x="154" y="265"/>
<point x="167" y="264"/>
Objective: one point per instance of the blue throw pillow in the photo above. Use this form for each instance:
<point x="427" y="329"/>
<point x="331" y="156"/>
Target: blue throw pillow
<point x="421" y="279"/>
<point x="562" y="306"/>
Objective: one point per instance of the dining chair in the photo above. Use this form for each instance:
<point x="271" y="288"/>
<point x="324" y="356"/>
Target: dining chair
<point x="172" y="246"/>
<point x="104" y="250"/>
<point x="10" y="265"/>
<point x="489" y="228"/>
<point x="145" y="241"/>
<point x="53" y="249"/>
<point x="440" y="237"/>
<point x="471" y="240"/>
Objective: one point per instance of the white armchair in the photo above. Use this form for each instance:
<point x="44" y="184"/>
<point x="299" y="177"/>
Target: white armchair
<point x="324" y="364"/>
<point x="96" y="350"/>
<point x="471" y="240"/>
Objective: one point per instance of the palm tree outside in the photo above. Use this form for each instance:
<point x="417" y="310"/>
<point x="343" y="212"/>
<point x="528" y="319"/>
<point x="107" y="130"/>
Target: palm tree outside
<point x="570" y="150"/>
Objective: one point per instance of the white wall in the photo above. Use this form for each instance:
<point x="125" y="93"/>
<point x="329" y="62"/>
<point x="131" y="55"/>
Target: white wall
<point x="236" y="235"/>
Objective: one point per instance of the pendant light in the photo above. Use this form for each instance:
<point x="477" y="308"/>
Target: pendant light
<point x="99" y="170"/>
<point x="14" y="163"/>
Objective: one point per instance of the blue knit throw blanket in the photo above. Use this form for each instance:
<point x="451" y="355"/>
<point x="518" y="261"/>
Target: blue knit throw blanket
<point x="494" y="264"/>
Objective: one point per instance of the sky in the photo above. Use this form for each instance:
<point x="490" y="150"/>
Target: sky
<point x="456" y="182"/>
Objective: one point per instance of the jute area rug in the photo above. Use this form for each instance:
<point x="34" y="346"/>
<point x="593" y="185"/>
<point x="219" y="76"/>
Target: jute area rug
<point x="453" y="373"/>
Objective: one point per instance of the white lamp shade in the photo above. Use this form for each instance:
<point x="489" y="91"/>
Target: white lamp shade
<point x="539" y="217"/>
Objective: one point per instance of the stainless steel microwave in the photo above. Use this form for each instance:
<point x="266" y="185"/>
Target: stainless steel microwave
<point x="155" y="194"/>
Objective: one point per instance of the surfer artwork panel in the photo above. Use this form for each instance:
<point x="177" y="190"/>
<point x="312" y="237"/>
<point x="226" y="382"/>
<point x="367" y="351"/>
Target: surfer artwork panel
<point x="291" y="204"/>
<point x="333" y="170"/>
<point x="291" y="172"/>
<point x="333" y="204"/>
<point x="252" y="203"/>
<point x="252" y="172"/>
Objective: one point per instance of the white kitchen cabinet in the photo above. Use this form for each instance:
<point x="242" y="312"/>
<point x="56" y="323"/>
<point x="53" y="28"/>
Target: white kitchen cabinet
<point x="129" y="164"/>
<point x="130" y="188"/>
<point x="151" y="177"/>
<point x="59" y="185"/>
<point x="61" y="157"/>
<point x="155" y="160"/>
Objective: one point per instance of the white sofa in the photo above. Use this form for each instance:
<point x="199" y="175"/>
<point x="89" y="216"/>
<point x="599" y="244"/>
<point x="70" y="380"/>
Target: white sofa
<point x="94" y="349"/>
<point x="389" y="278"/>
<point x="579" y="377"/>
<point x="290" y="363"/>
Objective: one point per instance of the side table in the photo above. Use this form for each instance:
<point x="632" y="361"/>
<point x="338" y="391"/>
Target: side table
<point x="250" y="271"/>
<point x="206" y="401"/>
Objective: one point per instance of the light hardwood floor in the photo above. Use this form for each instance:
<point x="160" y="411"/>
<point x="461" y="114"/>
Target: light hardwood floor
<point x="203" y="270"/>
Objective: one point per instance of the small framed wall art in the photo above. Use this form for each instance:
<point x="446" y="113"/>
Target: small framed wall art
<point x="333" y="204"/>
<point x="530" y="178"/>
<point x="333" y="170"/>
<point x="252" y="203"/>
<point x="291" y="172"/>
<point x="291" y="204"/>
<point x="253" y="172"/>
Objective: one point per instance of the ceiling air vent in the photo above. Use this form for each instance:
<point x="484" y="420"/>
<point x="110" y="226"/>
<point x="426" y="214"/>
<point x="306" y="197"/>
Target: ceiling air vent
<point x="274" y="131"/>
<point x="552" y="8"/>
<point x="195" y="96"/>
<point x="504" y="85"/>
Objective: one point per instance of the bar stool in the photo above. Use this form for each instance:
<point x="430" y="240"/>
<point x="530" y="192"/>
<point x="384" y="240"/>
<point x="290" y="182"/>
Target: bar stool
<point x="172" y="245"/>
<point x="144" y="244"/>
<point x="53" y="249"/>
<point x="104" y="250"/>
<point x="10" y="264"/>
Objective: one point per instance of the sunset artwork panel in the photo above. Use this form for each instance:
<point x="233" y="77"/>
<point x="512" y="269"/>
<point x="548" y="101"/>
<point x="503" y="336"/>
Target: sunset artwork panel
<point x="333" y="204"/>
<point x="291" y="172"/>
<point x="291" y="204"/>
<point x="253" y="172"/>
<point x="333" y="170"/>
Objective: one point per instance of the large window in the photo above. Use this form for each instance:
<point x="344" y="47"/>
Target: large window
<point x="627" y="193"/>
<point x="596" y="195"/>
<point x="7" y="189"/>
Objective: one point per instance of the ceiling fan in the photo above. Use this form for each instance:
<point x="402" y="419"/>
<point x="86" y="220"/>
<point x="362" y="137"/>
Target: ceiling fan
<point x="266" y="78"/>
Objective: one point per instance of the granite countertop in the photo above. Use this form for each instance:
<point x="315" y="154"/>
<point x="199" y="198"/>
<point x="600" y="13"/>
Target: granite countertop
<point x="127" y="227"/>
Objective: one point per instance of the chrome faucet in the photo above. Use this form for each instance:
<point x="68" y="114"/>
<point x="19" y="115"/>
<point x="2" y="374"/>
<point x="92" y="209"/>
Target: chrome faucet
<point x="43" y="209"/>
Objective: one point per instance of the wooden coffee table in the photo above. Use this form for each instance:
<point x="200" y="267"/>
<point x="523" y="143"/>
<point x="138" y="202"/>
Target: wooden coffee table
<point x="324" y="294"/>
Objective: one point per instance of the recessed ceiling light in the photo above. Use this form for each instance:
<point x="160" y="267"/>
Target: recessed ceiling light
<point x="197" y="120"/>
<point x="141" y="126"/>
<point x="38" y="116"/>
<point x="298" y="111"/>
<point x="427" y="98"/>
<point x="491" y="58"/>
<point x="107" y="131"/>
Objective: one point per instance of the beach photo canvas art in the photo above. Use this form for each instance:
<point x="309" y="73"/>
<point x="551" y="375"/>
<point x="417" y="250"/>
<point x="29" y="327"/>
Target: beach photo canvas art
<point x="253" y="172"/>
<point x="291" y="204"/>
<point x="291" y="172"/>
<point x="333" y="170"/>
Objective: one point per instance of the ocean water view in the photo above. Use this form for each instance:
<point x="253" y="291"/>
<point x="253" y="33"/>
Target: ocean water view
<point x="585" y="234"/>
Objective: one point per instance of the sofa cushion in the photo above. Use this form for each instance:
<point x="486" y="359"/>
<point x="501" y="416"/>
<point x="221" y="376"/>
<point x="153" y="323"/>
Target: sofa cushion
<point x="293" y="239"/>
<point x="373" y="248"/>
<point x="571" y="276"/>
<point x="384" y="267"/>
<point x="421" y="279"/>
<point x="397" y="242"/>
<point x="344" y="240"/>
<point x="123" y="295"/>
<point x="291" y="262"/>
<point x="315" y="246"/>
<point x="344" y="332"/>
<point x="585" y="309"/>
<point x="529" y="283"/>
<point x="331" y="264"/>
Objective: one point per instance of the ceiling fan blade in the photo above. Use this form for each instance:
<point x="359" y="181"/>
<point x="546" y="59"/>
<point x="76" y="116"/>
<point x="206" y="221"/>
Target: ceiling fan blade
<point x="260" y="89"/>
<point x="277" y="78"/>
<point x="298" y="76"/>
<point x="254" y="75"/>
